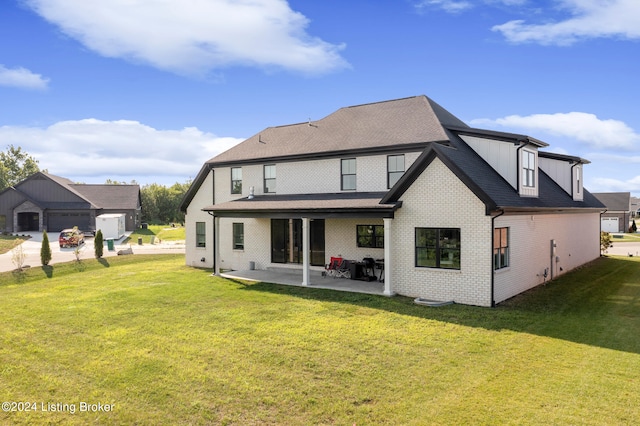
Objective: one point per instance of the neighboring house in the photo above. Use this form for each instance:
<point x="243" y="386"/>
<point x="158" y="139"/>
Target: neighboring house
<point x="52" y="203"/>
<point x="454" y="213"/>
<point x="617" y="216"/>
<point x="635" y="206"/>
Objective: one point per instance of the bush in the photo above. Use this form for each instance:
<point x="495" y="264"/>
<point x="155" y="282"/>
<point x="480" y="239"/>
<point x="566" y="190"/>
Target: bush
<point x="605" y="241"/>
<point x="98" y="242"/>
<point x="633" y="228"/>
<point x="45" y="250"/>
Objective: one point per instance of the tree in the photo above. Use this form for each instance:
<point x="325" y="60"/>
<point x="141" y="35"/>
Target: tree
<point x="98" y="242"/>
<point x="45" y="250"/>
<point x="161" y="204"/>
<point x="15" y="166"/>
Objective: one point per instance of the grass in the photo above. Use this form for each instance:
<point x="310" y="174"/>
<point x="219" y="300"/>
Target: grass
<point x="8" y="242"/>
<point x="160" y="232"/>
<point x="168" y="344"/>
<point x="627" y="238"/>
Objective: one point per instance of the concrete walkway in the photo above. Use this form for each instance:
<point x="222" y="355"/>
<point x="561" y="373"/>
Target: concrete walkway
<point x="32" y="246"/>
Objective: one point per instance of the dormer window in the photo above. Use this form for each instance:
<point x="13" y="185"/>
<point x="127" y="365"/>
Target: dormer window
<point x="528" y="169"/>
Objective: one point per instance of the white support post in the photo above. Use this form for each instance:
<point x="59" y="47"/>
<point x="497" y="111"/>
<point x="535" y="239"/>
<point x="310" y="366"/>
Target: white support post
<point x="305" y="251"/>
<point x="388" y="263"/>
<point x="216" y="245"/>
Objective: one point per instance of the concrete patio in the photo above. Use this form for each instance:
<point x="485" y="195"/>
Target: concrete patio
<point x="316" y="280"/>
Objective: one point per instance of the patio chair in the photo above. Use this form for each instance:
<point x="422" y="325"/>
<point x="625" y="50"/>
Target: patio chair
<point x="331" y="268"/>
<point x="343" y="270"/>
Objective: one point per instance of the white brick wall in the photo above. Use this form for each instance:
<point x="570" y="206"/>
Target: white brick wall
<point x="309" y="177"/>
<point x="577" y="238"/>
<point x="193" y="254"/>
<point x="439" y="199"/>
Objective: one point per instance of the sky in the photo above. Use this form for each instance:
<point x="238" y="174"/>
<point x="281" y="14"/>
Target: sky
<point x="148" y="90"/>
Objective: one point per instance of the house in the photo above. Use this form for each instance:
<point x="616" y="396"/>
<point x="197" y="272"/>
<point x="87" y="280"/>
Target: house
<point x="617" y="215"/>
<point x="47" y="202"/>
<point x="453" y="213"/>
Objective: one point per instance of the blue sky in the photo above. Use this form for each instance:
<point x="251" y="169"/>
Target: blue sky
<point x="151" y="89"/>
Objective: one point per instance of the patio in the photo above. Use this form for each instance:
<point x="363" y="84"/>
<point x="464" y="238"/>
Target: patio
<point x="316" y="280"/>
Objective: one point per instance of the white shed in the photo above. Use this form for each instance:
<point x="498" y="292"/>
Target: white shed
<point x="112" y="225"/>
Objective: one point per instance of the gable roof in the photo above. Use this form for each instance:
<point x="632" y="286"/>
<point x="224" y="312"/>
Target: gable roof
<point x="617" y="201"/>
<point x="89" y="196"/>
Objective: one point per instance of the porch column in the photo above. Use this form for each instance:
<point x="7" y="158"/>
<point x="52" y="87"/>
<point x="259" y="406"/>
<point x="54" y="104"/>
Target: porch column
<point x="305" y="251"/>
<point x="216" y="245"/>
<point x="388" y="261"/>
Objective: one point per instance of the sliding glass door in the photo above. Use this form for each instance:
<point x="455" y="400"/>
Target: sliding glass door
<point x="286" y="241"/>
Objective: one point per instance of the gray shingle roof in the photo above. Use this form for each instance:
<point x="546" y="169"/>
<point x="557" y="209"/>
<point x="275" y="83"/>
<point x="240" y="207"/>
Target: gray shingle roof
<point x="398" y="124"/>
<point x="617" y="201"/>
<point x="377" y="125"/>
<point x="120" y="197"/>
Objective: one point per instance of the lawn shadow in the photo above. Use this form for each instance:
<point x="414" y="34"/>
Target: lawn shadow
<point x="104" y="262"/>
<point x="597" y="305"/>
<point x="48" y="270"/>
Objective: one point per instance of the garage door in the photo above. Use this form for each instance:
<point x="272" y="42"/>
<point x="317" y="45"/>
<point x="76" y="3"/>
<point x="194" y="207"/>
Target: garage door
<point x="610" y="224"/>
<point x="58" y="221"/>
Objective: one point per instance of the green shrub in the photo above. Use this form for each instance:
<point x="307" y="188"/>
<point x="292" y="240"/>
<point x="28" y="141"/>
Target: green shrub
<point x="98" y="242"/>
<point x="45" y="250"/>
<point x="605" y="241"/>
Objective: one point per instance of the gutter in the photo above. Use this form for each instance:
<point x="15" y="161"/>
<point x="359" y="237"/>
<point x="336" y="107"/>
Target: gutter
<point x="493" y="271"/>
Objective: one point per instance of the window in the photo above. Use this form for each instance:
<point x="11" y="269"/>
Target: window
<point x="370" y="236"/>
<point x="238" y="236"/>
<point x="236" y="180"/>
<point x="578" y="180"/>
<point x="348" y="174"/>
<point x="270" y="178"/>
<point x="528" y="169"/>
<point x="395" y="169"/>
<point x="438" y="248"/>
<point x="201" y="234"/>
<point x="500" y="248"/>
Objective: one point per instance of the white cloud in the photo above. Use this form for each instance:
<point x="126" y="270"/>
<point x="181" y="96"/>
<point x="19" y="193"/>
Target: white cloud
<point x="82" y="149"/>
<point x="195" y="36"/>
<point x="451" y="6"/>
<point x="581" y="126"/>
<point x="589" y="19"/>
<point x="615" y="185"/>
<point x="22" y="77"/>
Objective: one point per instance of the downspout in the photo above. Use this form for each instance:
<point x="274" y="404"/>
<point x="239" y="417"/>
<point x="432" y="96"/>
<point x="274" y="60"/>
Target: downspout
<point x="493" y="271"/>
<point x="518" y="166"/>
<point x="575" y="164"/>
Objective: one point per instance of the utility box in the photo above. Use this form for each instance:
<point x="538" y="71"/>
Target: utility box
<point x="112" y="225"/>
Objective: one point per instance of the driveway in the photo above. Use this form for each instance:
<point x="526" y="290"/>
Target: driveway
<point x="32" y="246"/>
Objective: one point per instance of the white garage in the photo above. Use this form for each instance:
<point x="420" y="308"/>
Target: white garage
<point x="610" y="224"/>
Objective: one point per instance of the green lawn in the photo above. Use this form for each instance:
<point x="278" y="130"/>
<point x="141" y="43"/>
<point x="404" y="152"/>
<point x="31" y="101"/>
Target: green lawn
<point x="627" y="238"/>
<point x="160" y="232"/>
<point x="168" y="344"/>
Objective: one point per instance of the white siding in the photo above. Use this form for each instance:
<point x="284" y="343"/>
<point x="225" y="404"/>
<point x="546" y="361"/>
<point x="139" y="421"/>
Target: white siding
<point x="559" y="171"/>
<point x="439" y="199"/>
<point x="257" y="244"/>
<point x="499" y="154"/>
<point x="577" y="239"/>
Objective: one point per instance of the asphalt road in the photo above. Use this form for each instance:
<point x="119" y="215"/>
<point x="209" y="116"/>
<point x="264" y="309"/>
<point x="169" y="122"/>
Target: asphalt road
<point x="31" y="249"/>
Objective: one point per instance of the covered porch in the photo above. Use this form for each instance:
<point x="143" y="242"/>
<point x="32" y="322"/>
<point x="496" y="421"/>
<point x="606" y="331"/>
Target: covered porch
<point x="303" y="212"/>
<point x="287" y="276"/>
